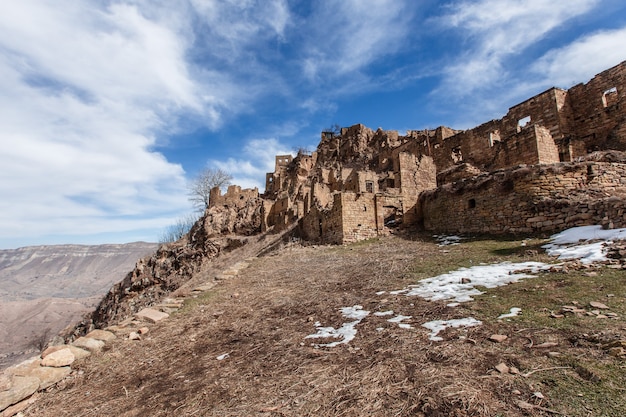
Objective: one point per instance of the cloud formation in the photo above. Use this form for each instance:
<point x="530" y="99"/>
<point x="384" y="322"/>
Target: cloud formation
<point x="98" y="97"/>
<point x="494" y="30"/>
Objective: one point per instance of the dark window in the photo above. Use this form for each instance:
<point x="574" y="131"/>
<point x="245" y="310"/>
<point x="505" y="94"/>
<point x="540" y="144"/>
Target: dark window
<point x="471" y="203"/>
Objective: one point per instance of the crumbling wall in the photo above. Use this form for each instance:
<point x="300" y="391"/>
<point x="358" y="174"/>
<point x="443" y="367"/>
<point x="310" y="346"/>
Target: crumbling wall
<point x="358" y="212"/>
<point x="239" y="211"/>
<point x="597" y="112"/>
<point x="529" y="199"/>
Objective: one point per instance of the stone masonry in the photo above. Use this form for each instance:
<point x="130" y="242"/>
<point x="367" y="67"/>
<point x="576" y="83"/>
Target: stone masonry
<point x="527" y="172"/>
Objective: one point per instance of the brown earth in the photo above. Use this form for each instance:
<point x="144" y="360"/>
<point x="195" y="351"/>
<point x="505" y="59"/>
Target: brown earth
<point x="260" y="320"/>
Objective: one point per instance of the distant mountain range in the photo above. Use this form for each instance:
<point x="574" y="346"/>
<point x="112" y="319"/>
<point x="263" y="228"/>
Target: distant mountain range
<point x="45" y="288"/>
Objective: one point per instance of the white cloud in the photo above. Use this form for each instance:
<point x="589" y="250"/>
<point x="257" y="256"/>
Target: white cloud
<point x="85" y="91"/>
<point x="348" y="35"/>
<point x="258" y="158"/>
<point x="582" y="59"/>
<point x="495" y="30"/>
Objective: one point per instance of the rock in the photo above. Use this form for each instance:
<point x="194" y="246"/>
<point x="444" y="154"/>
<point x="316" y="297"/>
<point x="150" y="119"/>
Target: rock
<point x="24" y="368"/>
<point x="21" y="388"/>
<point x="204" y="287"/>
<point x="524" y="405"/>
<point x="62" y="357"/>
<point x="617" y="352"/>
<point x="151" y="315"/>
<point x="76" y="351"/>
<point x="49" y="376"/>
<point x="502" y="368"/>
<point x="16" y="409"/>
<point x="546" y="345"/>
<point x="92" y="345"/>
<point x="553" y="354"/>
<point x="556" y="316"/>
<point x="498" y="338"/>
<point x="513" y="370"/>
<point x="134" y="336"/>
<point x="103" y="335"/>
<point x="465" y="280"/>
<point x="143" y="330"/>
<point x="597" y="304"/>
<point x="5" y="382"/>
<point x="516" y="392"/>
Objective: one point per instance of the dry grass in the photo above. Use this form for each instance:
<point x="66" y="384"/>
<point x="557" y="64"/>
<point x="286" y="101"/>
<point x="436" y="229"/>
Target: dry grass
<point x="261" y="318"/>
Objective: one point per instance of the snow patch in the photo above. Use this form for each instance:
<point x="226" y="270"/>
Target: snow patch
<point x="437" y="326"/>
<point x="346" y="332"/>
<point x="460" y="285"/>
<point x="514" y="311"/>
<point x="586" y="243"/>
<point x="445" y="240"/>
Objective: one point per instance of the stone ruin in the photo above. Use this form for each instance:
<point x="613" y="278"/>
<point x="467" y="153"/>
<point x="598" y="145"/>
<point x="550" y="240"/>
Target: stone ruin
<point x="553" y="161"/>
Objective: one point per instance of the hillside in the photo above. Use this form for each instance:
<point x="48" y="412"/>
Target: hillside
<point x="245" y="346"/>
<point x="45" y="288"/>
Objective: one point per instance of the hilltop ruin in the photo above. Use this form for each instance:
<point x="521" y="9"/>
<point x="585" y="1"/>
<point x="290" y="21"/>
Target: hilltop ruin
<point x="552" y="162"/>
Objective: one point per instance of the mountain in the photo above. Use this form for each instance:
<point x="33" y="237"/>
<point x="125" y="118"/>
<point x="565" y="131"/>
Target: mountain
<point x="45" y="288"/>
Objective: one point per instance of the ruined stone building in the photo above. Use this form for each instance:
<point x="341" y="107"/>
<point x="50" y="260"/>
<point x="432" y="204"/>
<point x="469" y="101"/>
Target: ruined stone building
<point x="553" y="161"/>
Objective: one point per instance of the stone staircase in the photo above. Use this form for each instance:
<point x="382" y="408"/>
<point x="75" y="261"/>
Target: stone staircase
<point x="21" y="384"/>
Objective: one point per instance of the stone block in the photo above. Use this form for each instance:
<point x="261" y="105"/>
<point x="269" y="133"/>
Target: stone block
<point x="103" y="335"/>
<point x="151" y="315"/>
<point x="62" y="357"/>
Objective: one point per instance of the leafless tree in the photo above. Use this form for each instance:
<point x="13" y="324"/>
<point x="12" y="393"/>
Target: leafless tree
<point x="175" y="231"/>
<point x="200" y="187"/>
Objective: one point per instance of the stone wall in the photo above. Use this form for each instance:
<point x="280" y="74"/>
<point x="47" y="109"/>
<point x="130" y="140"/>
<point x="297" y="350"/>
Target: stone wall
<point x="597" y="112"/>
<point x="529" y="199"/>
<point x="358" y="211"/>
<point x="234" y="196"/>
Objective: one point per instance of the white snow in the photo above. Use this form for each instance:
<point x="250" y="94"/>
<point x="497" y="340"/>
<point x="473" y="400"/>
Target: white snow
<point x="449" y="286"/>
<point x="399" y="318"/>
<point x="585" y="243"/>
<point x="437" y="326"/>
<point x="514" y="311"/>
<point x="346" y="332"/>
<point x="445" y="240"/>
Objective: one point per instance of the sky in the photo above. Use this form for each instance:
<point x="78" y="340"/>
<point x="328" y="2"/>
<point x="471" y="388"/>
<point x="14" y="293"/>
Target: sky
<point x="110" y="108"/>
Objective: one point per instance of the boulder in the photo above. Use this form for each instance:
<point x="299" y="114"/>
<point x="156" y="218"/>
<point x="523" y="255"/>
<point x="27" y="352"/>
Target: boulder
<point x="21" y="387"/>
<point x="92" y="345"/>
<point x="49" y="376"/>
<point x="103" y="335"/>
<point x="62" y="357"/>
<point x="78" y="352"/>
<point x="151" y="315"/>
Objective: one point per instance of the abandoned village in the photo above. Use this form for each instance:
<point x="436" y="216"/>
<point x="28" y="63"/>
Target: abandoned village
<point x="552" y="162"/>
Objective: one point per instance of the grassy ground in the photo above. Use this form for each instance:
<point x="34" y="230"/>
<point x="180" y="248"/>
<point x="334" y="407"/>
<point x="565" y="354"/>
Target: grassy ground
<point x="261" y="319"/>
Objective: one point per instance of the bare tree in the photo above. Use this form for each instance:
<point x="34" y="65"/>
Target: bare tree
<point x="200" y="187"/>
<point x="175" y="231"/>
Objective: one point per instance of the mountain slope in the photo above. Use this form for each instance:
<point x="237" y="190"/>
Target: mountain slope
<point x="43" y="289"/>
<point x="244" y="347"/>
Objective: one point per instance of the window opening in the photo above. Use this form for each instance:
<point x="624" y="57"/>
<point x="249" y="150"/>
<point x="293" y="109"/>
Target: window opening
<point x="494" y="137"/>
<point x="369" y="186"/>
<point x="609" y="97"/>
<point x="523" y="122"/>
<point x="471" y="203"/>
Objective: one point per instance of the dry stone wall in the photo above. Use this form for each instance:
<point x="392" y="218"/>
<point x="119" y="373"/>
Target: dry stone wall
<point x="530" y="200"/>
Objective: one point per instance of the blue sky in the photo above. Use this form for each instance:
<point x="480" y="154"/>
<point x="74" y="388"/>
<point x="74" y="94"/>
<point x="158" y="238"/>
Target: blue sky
<point x="110" y="107"/>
